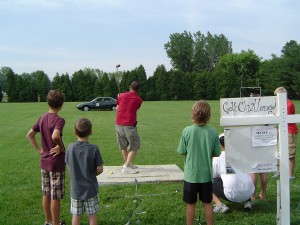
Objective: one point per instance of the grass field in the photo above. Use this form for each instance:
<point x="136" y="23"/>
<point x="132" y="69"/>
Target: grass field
<point x="160" y="125"/>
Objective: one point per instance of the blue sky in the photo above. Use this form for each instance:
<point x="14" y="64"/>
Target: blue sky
<point x="67" y="35"/>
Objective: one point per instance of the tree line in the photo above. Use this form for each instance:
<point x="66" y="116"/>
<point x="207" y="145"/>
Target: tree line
<point x="203" y="67"/>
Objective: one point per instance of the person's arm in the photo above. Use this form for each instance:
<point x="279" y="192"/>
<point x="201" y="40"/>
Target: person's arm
<point x="32" y="140"/>
<point x="99" y="169"/>
<point x="59" y="145"/>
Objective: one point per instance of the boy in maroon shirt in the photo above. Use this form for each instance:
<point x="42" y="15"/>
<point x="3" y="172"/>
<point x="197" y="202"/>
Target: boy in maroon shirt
<point x="50" y="127"/>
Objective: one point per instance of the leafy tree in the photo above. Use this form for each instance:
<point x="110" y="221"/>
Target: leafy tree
<point x="11" y="79"/>
<point x="180" y="50"/>
<point x="105" y="85"/>
<point x="82" y="84"/>
<point x="27" y="88"/>
<point x="162" y="78"/>
<point x="125" y="82"/>
<point x="195" y="53"/>
<point x="151" y="94"/>
<point x="98" y="88"/>
<point x="113" y="87"/>
<point x="3" y="81"/>
<point x="282" y="71"/>
<point x="42" y="83"/>
<point x="201" y="85"/>
<point x="234" y="69"/>
<point x="1" y="93"/>
<point x="64" y="84"/>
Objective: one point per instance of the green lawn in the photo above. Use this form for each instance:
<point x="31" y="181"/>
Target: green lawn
<point x="160" y="125"/>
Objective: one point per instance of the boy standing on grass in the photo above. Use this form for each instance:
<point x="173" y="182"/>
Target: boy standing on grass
<point x="50" y="127"/>
<point x="199" y="143"/>
<point x="85" y="163"/>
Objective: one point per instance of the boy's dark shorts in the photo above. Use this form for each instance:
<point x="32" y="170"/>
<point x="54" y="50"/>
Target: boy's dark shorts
<point x="191" y="191"/>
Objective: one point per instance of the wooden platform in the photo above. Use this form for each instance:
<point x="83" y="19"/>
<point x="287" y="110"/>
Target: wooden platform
<point x="147" y="173"/>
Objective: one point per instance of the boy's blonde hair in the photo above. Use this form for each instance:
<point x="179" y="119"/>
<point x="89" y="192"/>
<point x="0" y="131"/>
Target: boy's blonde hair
<point x="201" y="112"/>
<point x="83" y="127"/>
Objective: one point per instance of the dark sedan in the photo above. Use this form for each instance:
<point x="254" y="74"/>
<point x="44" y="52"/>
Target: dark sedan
<point x="105" y="103"/>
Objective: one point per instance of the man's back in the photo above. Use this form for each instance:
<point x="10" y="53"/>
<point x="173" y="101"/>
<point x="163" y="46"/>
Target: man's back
<point x="128" y="104"/>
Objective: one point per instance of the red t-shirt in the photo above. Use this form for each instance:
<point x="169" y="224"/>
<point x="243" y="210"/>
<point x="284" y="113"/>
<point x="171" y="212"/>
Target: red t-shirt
<point x="46" y="124"/>
<point x="128" y="103"/>
<point x="292" y="127"/>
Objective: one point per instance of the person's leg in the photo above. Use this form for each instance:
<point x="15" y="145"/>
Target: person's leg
<point x="291" y="166"/>
<point x="55" y="210"/>
<point x="254" y="179"/>
<point x="46" y="190"/>
<point x="125" y="155"/>
<point x="92" y="219"/>
<point x="263" y="184"/>
<point x="190" y="213"/>
<point x="57" y="180"/>
<point x="209" y="215"/>
<point x="216" y="200"/>
<point x="76" y="220"/>
<point x="47" y="208"/>
<point x="130" y="156"/>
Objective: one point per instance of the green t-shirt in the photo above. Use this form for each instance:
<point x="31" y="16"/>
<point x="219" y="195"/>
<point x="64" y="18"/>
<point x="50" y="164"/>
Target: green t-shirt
<point x="199" y="144"/>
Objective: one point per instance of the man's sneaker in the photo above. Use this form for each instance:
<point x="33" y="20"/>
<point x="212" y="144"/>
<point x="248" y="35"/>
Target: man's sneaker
<point x="292" y="178"/>
<point x="248" y="205"/>
<point x="221" y="208"/>
<point x="129" y="170"/>
<point x="131" y="166"/>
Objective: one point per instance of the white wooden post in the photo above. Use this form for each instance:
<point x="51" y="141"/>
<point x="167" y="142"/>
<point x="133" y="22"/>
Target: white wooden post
<point x="282" y="120"/>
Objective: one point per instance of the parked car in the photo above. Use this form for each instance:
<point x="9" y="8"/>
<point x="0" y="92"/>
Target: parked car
<point x="106" y="103"/>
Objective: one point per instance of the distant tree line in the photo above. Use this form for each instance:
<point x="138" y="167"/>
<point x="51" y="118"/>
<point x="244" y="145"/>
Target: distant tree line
<point x="203" y="67"/>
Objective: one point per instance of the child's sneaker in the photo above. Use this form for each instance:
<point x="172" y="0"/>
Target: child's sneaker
<point x="248" y="205"/>
<point x="129" y="170"/>
<point x="221" y="208"/>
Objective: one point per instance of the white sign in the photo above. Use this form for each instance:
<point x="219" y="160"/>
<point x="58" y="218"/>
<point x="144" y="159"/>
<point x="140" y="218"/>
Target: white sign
<point x="254" y="106"/>
<point x="264" y="167"/>
<point x="263" y="136"/>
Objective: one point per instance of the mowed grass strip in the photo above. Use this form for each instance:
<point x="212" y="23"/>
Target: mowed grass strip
<point x="160" y="125"/>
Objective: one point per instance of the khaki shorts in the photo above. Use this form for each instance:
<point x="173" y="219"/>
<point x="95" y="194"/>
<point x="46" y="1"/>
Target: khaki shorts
<point x="292" y="145"/>
<point x="127" y="137"/>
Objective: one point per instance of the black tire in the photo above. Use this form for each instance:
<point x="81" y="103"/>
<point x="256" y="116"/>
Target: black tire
<point x="86" y="108"/>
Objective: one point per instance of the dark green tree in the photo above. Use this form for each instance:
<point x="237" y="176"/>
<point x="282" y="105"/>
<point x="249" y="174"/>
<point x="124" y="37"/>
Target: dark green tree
<point x="82" y="86"/>
<point x="113" y="87"/>
<point x="162" y="78"/>
<point x="12" y="91"/>
<point x="105" y="85"/>
<point x="42" y="83"/>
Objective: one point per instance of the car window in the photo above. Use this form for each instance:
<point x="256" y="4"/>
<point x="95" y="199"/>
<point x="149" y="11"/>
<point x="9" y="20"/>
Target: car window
<point x="99" y="99"/>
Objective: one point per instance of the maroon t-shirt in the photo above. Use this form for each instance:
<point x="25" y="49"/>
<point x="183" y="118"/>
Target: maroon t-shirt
<point x="46" y="124"/>
<point x="128" y="104"/>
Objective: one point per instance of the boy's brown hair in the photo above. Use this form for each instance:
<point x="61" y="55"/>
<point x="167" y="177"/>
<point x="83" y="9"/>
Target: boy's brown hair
<point x="55" y="98"/>
<point x="201" y="112"/>
<point x="83" y="127"/>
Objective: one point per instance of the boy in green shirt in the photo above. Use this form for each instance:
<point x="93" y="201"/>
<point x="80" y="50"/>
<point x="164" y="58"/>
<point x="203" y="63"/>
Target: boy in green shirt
<point x="199" y="143"/>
